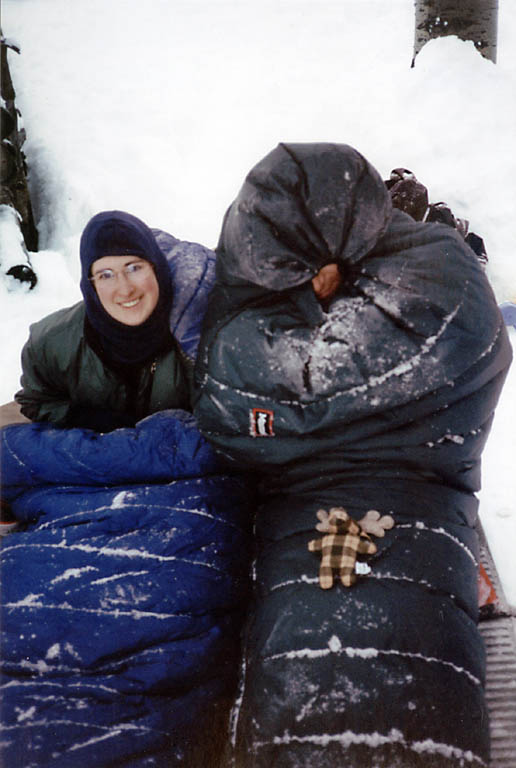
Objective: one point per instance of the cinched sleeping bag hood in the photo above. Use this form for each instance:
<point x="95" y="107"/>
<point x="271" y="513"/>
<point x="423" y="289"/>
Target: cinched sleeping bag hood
<point x="301" y="207"/>
<point x="382" y="400"/>
<point x="389" y="337"/>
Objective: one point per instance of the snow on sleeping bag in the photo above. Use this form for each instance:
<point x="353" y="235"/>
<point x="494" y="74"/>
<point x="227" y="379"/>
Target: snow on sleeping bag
<point x="122" y="591"/>
<point x="382" y="400"/>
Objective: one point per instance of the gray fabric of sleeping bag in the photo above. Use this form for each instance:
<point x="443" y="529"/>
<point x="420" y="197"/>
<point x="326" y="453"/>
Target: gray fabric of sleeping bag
<point x="382" y="399"/>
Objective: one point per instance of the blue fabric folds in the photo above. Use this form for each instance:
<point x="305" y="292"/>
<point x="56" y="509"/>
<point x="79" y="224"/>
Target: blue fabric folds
<point x="123" y="588"/>
<point x="121" y="593"/>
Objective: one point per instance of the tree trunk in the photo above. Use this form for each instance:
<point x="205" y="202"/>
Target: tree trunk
<point x="14" y="191"/>
<point x="475" y="20"/>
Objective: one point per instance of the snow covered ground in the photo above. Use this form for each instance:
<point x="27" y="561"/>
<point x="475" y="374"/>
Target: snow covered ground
<point x="160" y="108"/>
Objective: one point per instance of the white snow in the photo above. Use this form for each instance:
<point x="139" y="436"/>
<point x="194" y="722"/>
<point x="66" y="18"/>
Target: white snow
<point x="376" y="739"/>
<point x="120" y="552"/>
<point x="54" y="651"/>
<point x="110" y="733"/>
<point x="118" y="576"/>
<point x="120" y="498"/>
<point x="161" y="108"/>
<point x="334" y="644"/>
<point x="72" y="573"/>
<point x="29" y="601"/>
<point x="26" y="714"/>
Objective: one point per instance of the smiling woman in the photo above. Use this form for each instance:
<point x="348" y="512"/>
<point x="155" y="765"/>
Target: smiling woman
<point x="127" y="288"/>
<point x="112" y="359"/>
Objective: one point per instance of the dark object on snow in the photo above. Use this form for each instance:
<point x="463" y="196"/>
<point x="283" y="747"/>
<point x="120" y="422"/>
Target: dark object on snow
<point x="497" y="628"/>
<point x="410" y="196"/>
<point x="24" y="274"/>
<point x="123" y="588"/>
<point x="7" y="122"/>
<point x="13" y="190"/>
<point x="442" y="213"/>
<point x="8" y="165"/>
<point x="407" y="193"/>
<point x="474" y="20"/>
<point x="398" y="174"/>
<point x="385" y="402"/>
<point x="477" y="245"/>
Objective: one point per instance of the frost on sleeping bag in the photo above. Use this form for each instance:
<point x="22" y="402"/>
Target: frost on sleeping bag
<point x="381" y="400"/>
<point x="122" y="593"/>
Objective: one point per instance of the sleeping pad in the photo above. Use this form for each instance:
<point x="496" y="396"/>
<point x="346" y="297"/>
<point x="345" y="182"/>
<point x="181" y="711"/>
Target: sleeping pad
<point x="380" y="399"/>
<point x="123" y="588"/>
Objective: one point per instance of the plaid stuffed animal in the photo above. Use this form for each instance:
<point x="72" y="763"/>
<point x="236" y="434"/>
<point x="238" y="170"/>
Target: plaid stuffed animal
<point x="344" y="540"/>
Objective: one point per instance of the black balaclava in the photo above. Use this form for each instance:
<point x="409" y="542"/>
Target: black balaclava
<point x="115" y="233"/>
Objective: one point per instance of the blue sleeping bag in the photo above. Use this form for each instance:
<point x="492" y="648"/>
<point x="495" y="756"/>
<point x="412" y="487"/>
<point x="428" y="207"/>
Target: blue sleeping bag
<point x="122" y="589"/>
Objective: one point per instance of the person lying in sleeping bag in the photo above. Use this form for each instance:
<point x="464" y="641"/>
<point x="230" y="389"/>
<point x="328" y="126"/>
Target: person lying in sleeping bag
<point x="113" y="358"/>
<point x="124" y="584"/>
<point x="342" y="358"/>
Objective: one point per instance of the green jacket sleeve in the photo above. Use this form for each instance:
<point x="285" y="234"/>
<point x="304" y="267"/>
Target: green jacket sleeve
<point x="41" y="396"/>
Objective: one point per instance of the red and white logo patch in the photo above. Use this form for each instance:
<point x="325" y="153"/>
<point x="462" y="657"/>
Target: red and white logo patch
<point x="261" y="422"/>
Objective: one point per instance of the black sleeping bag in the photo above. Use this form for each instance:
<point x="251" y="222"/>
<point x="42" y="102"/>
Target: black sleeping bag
<point x="381" y="400"/>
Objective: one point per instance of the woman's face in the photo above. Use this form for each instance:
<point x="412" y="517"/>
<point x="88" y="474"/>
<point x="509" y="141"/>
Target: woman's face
<point x="126" y="286"/>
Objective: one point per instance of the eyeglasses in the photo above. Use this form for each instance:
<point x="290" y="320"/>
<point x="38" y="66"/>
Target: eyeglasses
<point x="134" y="272"/>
